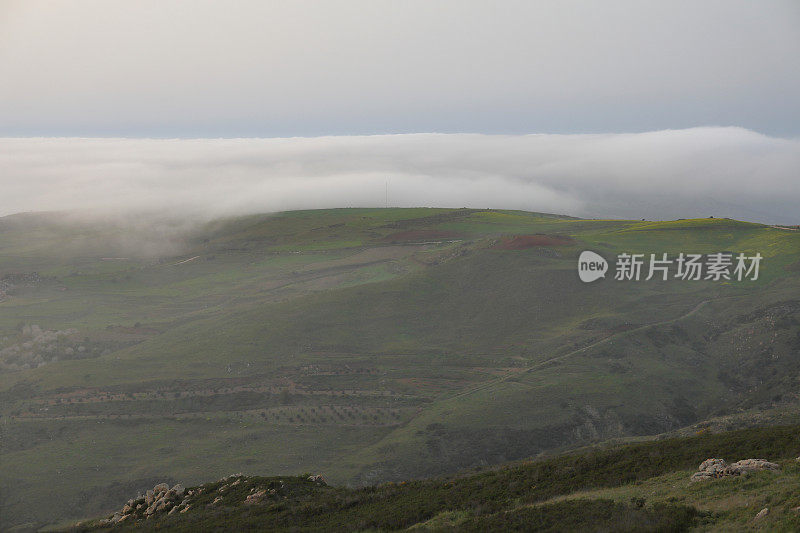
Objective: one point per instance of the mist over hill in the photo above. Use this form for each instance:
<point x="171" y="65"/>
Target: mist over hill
<point x="689" y="173"/>
<point x="369" y="265"/>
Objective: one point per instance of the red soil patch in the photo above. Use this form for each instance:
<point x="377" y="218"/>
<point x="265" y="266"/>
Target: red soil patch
<point x="521" y="242"/>
<point x="420" y="235"/>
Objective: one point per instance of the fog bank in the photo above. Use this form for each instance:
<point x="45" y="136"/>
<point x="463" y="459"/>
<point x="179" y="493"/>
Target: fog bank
<point x="724" y="172"/>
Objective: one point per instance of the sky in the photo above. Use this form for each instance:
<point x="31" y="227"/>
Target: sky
<point x="643" y="76"/>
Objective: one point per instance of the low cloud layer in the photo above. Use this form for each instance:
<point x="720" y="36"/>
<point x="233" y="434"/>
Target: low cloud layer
<point x="724" y="172"/>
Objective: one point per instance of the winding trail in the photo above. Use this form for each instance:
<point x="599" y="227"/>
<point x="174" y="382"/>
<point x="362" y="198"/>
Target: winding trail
<point x="541" y="364"/>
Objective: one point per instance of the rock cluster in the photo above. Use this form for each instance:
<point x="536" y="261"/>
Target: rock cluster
<point x="749" y="465"/>
<point x="717" y="468"/>
<point x="259" y="495"/>
<point x="161" y="499"/>
<point x="231" y="490"/>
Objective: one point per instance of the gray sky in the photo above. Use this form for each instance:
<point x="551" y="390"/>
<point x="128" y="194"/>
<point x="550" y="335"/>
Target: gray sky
<point x="163" y="68"/>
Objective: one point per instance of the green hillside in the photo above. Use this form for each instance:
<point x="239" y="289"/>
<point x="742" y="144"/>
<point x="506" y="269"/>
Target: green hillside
<point x="639" y="487"/>
<point x="370" y="345"/>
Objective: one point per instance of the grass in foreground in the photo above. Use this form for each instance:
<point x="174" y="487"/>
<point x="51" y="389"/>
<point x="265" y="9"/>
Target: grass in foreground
<point x="636" y="487"/>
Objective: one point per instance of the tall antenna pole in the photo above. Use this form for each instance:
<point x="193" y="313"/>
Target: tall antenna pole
<point x="387" y="193"/>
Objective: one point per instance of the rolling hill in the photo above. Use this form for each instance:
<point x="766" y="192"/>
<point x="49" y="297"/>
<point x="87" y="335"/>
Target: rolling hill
<point x="371" y="345"/>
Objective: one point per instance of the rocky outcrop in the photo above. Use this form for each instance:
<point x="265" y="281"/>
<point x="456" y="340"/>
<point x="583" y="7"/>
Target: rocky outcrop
<point x="750" y="465"/>
<point x="713" y="468"/>
<point x="161" y="499"/>
<point x="229" y="491"/>
<point x="717" y="468"/>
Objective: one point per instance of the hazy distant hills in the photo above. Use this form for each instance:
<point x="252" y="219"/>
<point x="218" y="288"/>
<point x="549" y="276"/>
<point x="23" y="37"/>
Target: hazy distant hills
<point x="368" y="345"/>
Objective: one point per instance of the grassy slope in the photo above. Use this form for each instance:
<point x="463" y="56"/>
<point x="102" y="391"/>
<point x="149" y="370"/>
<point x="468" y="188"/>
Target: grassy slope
<point x="440" y="351"/>
<point x="638" y="487"/>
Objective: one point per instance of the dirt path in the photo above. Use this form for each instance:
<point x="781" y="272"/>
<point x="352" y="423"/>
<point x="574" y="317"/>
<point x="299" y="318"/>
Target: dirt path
<point x="557" y="358"/>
